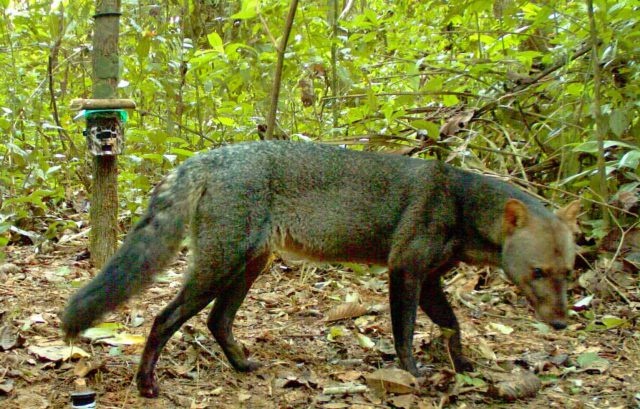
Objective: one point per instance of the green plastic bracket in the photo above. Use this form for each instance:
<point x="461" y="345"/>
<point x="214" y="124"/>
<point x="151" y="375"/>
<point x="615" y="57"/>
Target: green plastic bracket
<point x="124" y="116"/>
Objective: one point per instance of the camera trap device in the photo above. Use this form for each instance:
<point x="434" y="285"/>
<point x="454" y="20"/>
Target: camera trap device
<point x="105" y="121"/>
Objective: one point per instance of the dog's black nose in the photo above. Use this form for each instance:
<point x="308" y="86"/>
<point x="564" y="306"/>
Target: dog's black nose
<point x="558" y="324"/>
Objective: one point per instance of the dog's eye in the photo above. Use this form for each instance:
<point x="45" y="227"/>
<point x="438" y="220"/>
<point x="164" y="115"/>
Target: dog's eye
<point x="537" y="273"/>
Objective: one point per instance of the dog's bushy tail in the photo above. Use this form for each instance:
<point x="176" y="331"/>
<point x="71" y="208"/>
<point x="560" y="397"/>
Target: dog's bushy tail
<point x="148" y="248"/>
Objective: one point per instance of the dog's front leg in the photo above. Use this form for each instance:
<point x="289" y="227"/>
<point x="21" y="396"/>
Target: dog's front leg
<point x="410" y="267"/>
<point x="404" y="290"/>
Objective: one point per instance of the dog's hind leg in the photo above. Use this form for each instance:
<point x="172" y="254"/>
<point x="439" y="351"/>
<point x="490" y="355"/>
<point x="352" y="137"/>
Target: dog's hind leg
<point x="221" y="318"/>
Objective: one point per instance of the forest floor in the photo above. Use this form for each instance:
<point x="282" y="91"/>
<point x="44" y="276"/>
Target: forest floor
<point x="291" y="322"/>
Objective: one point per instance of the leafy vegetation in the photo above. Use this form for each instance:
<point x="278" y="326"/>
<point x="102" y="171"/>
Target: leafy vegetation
<point x="504" y="85"/>
<point x="536" y="92"/>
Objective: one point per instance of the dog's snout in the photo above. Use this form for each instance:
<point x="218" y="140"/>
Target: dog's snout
<point x="557" y="324"/>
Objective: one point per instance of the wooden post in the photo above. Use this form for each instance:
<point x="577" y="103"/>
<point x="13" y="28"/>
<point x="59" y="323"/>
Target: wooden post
<point x="103" y="214"/>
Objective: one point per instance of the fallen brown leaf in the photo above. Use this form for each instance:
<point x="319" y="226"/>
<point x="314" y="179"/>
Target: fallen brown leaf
<point x="346" y="310"/>
<point x="392" y="380"/>
<point x="523" y="385"/>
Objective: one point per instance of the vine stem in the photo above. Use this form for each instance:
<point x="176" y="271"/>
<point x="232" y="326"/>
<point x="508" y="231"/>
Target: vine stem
<point x="277" y="78"/>
<point x="334" y="62"/>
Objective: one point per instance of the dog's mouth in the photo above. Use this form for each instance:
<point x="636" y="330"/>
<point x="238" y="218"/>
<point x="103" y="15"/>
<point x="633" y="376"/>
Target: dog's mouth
<point x="556" y="321"/>
<point x="547" y="311"/>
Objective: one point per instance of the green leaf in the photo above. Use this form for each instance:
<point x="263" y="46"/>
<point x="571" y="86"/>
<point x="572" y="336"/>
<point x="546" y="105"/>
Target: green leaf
<point x="249" y="10"/>
<point x="371" y="16"/>
<point x="548" y="378"/>
<point x="372" y="100"/>
<point x="53" y="169"/>
<point x="225" y="121"/>
<point x="143" y="47"/>
<point x="216" y="42"/>
<point x="575" y="89"/>
<point x="387" y="111"/>
<point x="115" y="351"/>
<point x="378" y="270"/>
<point x="630" y="159"/>
<point x="104" y="330"/>
<point x="182" y="152"/>
<point x="592" y="146"/>
<point x="469" y="380"/>
<point x="587" y="358"/>
<point x="336" y="332"/>
<point x="17" y="150"/>
<point x="526" y="57"/>
<point x="158" y="137"/>
<point x="486" y="39"/>
<point x="450" y="100"/>
<point x="618" y="121"/>
<point x="433" y="130"/>
<point x="203" y="58"/>
<point x="34" y="198"/>
<point x="359" y="269"/>
<point x="434" y="84"/>
<point x="364" y="341"/>
<point x="541" y="327"/>
<point x="231" y="50"/>
<point x="155" y="157"/>
<point x="78" y="283"/>
<point x="610" y="321"/>
<point x="590" y="361"/>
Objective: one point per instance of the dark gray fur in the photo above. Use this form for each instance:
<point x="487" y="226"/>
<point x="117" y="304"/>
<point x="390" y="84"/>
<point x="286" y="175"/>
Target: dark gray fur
<point x="247" y="200"/>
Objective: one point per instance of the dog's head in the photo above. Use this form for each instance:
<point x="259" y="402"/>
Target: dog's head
<point x="538" y="254"/>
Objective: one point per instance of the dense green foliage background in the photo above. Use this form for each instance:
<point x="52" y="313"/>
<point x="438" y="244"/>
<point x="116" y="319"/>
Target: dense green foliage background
<point x="406" y="74"/>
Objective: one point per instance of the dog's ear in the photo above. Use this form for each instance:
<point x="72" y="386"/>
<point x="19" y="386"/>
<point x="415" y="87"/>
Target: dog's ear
<point x="569" y="215"/>
<point x="516" y="215"/>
